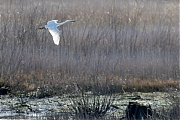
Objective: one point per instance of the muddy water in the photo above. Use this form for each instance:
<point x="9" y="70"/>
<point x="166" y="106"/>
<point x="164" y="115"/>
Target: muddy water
<point x="58" y="107"/>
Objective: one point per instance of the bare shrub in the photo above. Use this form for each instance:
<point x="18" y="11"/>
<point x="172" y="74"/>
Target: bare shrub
<point x="87" y="105"/>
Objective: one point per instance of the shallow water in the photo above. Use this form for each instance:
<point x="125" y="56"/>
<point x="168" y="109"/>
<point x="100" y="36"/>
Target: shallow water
<point x="57" y="107"/>
<point x="37" y="116"/>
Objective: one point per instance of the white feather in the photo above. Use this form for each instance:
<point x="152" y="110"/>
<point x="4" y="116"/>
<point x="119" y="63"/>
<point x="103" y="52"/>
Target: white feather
<point x="52" y="27"/>
<point x="55" y="35"/>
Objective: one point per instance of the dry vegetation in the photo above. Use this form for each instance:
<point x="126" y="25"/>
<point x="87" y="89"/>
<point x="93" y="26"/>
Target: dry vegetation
<point x="114" y="46"/>
<point x="123" y="45"/>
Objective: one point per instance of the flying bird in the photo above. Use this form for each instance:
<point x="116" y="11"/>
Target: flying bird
<point x="52" y="27"/>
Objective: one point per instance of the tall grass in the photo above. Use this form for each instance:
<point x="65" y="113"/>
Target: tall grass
<point x="128" y="39"/>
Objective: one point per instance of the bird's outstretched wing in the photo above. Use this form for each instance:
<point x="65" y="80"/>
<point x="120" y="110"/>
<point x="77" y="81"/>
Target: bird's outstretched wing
<point x="55" y="33"/>
<point x="59" y="24"/>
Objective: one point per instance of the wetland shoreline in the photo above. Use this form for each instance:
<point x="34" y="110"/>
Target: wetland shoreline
<point x="58" y="106"/>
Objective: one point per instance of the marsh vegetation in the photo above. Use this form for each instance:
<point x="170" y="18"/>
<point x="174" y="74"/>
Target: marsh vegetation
<point x="113" y="47"/>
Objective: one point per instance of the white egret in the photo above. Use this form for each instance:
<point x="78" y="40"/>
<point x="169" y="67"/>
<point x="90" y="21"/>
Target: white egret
<point x="52" y="27"/>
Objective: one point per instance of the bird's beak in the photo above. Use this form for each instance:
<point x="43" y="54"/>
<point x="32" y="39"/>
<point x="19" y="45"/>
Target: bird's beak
<point x="73" y="21"/>
<point x="41" y="27"/>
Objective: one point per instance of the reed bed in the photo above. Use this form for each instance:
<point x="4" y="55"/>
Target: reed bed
<point x="124" y="40"/>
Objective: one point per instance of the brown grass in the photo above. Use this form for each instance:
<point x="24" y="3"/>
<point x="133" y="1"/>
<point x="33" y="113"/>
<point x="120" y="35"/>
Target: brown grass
<point x="62" y="83"/>
<point x="151" y="85"/>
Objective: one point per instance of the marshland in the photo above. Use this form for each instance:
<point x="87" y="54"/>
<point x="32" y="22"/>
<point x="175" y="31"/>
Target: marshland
<point x="115" y="50"/>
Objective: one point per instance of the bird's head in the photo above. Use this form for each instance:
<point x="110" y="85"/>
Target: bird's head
<point x="70" y="20"/>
